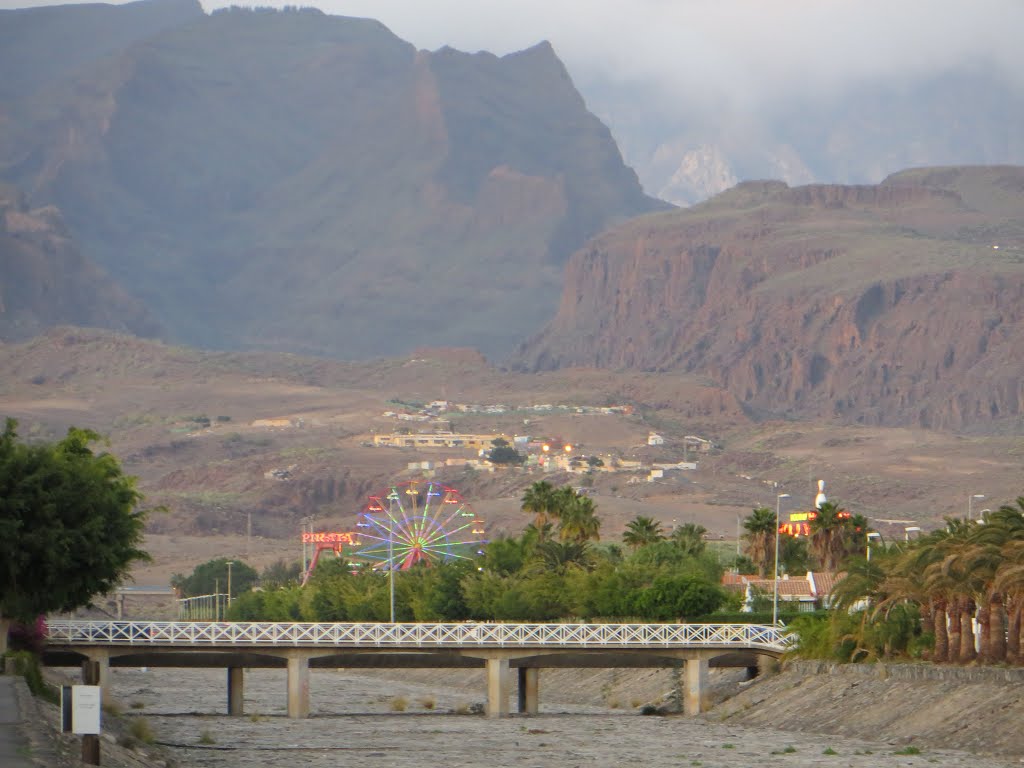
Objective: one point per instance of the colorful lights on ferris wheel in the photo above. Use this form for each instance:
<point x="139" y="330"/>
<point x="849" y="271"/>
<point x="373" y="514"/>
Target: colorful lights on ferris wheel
<point x="408" y="532"/>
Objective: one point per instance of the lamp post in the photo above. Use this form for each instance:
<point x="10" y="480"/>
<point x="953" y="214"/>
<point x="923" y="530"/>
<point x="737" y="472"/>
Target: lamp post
<point x="970" y="502"/>
<point x="775" y="583"/>
<point x="229" y="564"/>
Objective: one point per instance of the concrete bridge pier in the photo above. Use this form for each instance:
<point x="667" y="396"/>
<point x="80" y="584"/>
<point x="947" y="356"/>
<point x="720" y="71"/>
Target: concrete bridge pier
<point x="529" y="690"/>
<point x="236" y="690"/>
<point x="696" y="674"/>
<point x="498" y="684"/>
<point x="298" y="684"/>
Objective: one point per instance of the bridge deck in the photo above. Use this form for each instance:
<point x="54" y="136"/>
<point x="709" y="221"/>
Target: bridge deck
<point x="239" y="635"/>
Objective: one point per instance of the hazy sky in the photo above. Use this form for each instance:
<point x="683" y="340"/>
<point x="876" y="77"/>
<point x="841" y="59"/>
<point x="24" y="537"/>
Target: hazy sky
<point x="738" y="51"/>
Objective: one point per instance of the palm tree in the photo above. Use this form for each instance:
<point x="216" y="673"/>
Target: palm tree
<point x="540" y="501"/>
<point x="577" y="518"/>
<point x="641" y="531"/>
<point x="559" y="555"/>
<point x="1010" y="581"/>
<point x="982" y="560"/>
<point x="760" y="539"/>
<point x="945" y="576"/>
<point x="832" y="535"/>
<point x="690" y="538"/>
<point x="904" y="582"/>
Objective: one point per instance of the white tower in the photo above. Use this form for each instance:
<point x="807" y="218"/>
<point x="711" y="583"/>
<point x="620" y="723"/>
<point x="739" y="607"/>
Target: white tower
<point x="820" y="498"/>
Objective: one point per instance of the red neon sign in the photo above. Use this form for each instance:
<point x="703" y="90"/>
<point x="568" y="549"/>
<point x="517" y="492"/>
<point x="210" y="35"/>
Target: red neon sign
<point x="328" y="537"/>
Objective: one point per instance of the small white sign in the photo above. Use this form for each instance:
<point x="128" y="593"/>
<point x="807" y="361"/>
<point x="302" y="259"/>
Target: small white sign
<point x="85" y="709"/>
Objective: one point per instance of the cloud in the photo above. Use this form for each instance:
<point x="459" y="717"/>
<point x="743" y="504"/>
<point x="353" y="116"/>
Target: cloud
<point x="738" y="54"/>
<point x="741" y="51"/>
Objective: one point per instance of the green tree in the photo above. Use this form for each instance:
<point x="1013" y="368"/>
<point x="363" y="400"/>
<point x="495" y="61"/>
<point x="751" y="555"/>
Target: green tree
<point x="689" y="537"/>
<point x="577" y="517"/>
<point x="641" y="531"/>
<point x="559" y="555"/>
<point x="281" y="573"/>
<point x="833" y="536"/>
<point x="70" y="525"/>
<point x="675" y="597"/>
<point x="760" y="539"/>
<point x="212" y="576"/>
<point x="503" y="453"/>
<point x="540" y="501"/>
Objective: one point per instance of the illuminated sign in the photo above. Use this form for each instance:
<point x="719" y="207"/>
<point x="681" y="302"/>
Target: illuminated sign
<point x="328" y="537"/>
<point x="800" y="522"/>
<point x="795" y="529"/>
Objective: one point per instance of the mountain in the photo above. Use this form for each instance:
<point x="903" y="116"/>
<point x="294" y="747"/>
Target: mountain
<point x="300" y="182"/>
<point x="686" y="151"/>
<point x="45" y="280"/>
<point x="896" y="304"/>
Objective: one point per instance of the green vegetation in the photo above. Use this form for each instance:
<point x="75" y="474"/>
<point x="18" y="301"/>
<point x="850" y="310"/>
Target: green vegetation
<point x="922" y="599"/>
<point x="548" y="573"/>
<point x="212" y="576"/>
<point x="503" y="453"/>
<point x="141" y="730"/>
<point x="26" y="664"/>
<point x="69" y="525"/>
<point x="908" y="750"/>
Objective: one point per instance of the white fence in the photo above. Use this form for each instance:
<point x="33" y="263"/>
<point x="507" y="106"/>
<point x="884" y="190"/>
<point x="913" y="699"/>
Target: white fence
<point x="470" y="635"/>
<point x="203" y="608"/>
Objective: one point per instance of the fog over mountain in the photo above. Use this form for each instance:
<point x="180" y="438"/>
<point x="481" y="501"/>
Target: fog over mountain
<point x="701" y="95"/>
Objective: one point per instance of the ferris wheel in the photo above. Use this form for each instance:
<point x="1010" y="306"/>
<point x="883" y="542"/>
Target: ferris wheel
<point x="418" y="522"/>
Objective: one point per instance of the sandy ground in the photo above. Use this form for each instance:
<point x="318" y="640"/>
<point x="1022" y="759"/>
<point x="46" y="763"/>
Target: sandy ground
<point x="355" y="722"/>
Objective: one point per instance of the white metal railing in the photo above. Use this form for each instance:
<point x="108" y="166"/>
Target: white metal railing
<point x="411" y="636"/>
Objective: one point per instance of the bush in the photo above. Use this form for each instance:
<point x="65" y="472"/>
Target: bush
<point x="26" y="664"/>
<point x="141" y="730"/>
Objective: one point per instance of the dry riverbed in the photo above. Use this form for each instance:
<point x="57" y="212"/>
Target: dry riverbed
<point x="372" y="719"/>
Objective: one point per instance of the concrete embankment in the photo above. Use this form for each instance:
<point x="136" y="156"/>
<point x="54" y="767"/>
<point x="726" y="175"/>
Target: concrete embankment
<point x="979" y="709"/>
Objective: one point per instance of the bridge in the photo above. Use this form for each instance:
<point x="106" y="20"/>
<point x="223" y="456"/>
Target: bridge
<point x="499" y="648"/>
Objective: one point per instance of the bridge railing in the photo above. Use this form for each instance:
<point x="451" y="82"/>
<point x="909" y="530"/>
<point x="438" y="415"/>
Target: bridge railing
<point x="416" y="635"/>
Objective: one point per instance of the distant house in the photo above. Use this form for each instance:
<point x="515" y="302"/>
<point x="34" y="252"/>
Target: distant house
<point x="693" y="441"/>
<point x="272" y="423"/>
<point x="443" y="440"/>
<point x="655" y="439"/>
<point x="810" y="591"/>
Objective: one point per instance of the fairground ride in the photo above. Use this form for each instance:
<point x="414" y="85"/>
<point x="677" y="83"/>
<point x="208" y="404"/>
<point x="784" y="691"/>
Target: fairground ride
<point x="418" y="521"/>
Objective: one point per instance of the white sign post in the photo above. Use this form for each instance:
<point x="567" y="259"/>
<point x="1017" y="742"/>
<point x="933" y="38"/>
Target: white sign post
<point x="85" y="710"/>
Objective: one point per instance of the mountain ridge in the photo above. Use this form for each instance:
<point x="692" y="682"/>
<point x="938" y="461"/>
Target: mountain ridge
<point x="888" y="304"/>
<point x="295" y="181"/>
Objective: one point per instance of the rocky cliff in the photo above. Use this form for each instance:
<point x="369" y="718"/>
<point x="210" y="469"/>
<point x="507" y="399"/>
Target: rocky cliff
<point x="896" y="304"/>
<point x="46" y="281"/>
<point x="294" y="181"/>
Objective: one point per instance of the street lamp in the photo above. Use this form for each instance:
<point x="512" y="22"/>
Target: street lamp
<point x="229" y="564"/>
<point x="872" y="535"/>
<point x="970" y="502"/>
<point x="775" y="584"/>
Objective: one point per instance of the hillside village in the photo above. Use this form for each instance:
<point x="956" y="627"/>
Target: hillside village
<point x="546" y="453"/>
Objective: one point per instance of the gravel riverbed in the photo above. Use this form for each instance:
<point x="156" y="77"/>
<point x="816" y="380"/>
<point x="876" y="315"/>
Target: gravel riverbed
<point x="375" y="719"/>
